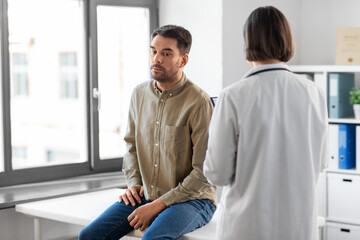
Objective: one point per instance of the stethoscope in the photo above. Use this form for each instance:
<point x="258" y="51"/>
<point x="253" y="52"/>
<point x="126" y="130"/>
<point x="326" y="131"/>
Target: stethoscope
<point x="266" y="70"/>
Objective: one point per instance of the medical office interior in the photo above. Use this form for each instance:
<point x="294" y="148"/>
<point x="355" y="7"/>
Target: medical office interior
<point x="68" y="68"/>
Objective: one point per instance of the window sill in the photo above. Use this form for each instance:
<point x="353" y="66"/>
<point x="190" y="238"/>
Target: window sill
<point x="10" y="196"/>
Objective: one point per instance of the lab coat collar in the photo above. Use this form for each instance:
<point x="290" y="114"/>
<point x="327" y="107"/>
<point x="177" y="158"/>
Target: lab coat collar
<point x="265" y="66"/>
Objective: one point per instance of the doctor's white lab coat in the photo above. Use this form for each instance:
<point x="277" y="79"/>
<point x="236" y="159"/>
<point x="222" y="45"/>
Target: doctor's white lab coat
<point x="267" y="145"/>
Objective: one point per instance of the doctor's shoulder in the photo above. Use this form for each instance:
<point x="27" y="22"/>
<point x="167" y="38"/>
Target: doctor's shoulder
<point x="310" y="85"/>
<point x="237" y="91"/>
<point x="306" y="80"/>
<point x="243" y="84"/>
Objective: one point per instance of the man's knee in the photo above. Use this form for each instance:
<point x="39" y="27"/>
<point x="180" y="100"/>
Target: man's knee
<point x="85" y="234"/>
<point x="153" y="235"/>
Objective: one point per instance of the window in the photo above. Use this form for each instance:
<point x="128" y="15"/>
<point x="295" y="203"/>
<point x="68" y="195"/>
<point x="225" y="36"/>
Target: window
<point x="42" y="119"/>
<point x="20" y="74"/>
<point x="115" y="48"/>
<point x="68" y="75"/>
<point x="20" y="154"/>
<point x="53" y="156"/>
<point x="68" y="71"/>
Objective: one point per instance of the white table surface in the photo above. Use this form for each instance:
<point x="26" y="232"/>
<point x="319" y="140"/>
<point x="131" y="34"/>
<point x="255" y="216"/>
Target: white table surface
<point x="82" y="209"/>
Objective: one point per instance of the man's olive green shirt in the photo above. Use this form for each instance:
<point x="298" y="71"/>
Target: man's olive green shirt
<point x="166" y="142"/>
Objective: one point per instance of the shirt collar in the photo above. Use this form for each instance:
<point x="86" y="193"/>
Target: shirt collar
<point x="174" y="89"/>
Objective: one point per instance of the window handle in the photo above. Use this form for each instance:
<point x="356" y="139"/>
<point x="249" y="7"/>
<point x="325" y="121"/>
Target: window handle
<point x="97" y="95"/>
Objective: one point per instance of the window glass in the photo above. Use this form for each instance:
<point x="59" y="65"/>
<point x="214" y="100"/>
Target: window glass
<point x="68" y="75"/>
<point x="123" y="62"/>
<point x="61" y="155"/>
<point x="19" y="74"/>
<point x="19" y="155"/>
<point x="47" y="71"/>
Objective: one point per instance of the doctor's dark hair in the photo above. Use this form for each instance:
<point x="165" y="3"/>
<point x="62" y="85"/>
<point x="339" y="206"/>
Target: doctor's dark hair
<point x="180" y="34"/>
<point x="267" y="35"/>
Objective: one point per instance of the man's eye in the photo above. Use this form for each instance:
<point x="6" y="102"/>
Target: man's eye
<point x="166" y="54"/>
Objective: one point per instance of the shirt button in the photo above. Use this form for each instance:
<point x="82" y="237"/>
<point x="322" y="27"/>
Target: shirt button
<point x="152" y="186"/>
<point x="156" y="165"/>
<point x="157" y="122"/>
<point x="156" y="144"/>
<point x="161" y="100"/>
<point x="170" y="94"/>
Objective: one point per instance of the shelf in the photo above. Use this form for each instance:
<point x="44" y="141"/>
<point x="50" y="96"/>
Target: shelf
<point x="325" y="68"/>
<point x="344" y="120"/>
<point x="342" y="221"/>
<point x="330" y="191"/>
<point x="343" y="171"/>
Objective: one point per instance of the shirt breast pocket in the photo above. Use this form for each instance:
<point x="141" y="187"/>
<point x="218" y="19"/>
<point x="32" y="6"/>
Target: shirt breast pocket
<point x="176" y="139"/>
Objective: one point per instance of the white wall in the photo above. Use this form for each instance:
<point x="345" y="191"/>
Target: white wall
<point x="235" y="14"/>
<point x="216" y="58"/>
<point x="319" y="21"/>
<point x="314" y="25"/>
<point x="203" y="18"/>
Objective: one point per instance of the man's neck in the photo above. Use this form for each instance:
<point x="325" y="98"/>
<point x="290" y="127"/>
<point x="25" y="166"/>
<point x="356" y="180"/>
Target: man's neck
<point x="269" y="61"/>
<point x="162" y="86"/>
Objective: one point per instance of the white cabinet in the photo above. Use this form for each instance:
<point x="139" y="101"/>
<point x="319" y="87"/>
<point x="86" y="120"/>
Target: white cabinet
<point x="339" y="197"/>
<point x="336" y="231"/>
<point x="343" y="197"/>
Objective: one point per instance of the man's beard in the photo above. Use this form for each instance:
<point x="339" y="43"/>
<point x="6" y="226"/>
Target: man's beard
<point x="162" y="77"/>
<point x="165" y="76"/>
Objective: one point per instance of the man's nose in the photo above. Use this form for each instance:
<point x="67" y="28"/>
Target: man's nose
<point x="157" y="58"/>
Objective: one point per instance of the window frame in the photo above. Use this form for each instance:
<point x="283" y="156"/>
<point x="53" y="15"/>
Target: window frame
<point x="152" y="5"/>
<point x="93" y="164"/>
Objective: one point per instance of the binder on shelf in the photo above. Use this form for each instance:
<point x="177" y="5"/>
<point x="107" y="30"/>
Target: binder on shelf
<point x="346" y="146"/>
<point x="340" y="85"/>
<point x="333" y="146"/>
<point x="357" y="150"/>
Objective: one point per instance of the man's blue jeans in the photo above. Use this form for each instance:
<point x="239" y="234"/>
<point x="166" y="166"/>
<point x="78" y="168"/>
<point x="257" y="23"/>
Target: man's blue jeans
<point x="172" y="223"/>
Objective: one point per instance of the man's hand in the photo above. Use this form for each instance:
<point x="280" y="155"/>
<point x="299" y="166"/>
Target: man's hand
<point x="143" y="216"/>
<point x="132" y="194"/>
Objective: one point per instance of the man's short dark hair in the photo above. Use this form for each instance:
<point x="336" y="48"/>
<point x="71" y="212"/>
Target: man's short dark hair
<point x="267" y="35"/>
<point x="180" y="34"/>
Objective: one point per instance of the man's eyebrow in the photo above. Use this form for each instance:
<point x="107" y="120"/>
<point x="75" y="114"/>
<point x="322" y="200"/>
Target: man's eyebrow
<point x="165" y="49"/>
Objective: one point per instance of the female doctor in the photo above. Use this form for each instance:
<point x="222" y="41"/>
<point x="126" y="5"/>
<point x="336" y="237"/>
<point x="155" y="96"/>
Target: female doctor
<point x="268" y="141"/>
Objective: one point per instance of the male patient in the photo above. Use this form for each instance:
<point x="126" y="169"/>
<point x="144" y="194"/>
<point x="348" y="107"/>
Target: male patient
<point x="166" y="144"/>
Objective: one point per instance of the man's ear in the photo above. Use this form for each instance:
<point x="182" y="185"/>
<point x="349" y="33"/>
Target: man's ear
<point x="185" y="59"/>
